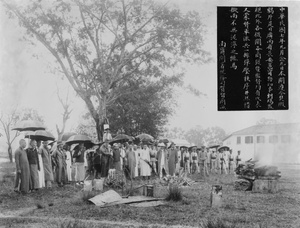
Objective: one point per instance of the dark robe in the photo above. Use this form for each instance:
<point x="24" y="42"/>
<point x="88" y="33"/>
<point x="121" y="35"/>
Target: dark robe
<point x="130" y="155"/>
<point x="61" y="169"/>
<point x="173" y="159"/>
<point x="46" y="157"/>
<point x="106" y="159"/>
<point x="22" y="164"/>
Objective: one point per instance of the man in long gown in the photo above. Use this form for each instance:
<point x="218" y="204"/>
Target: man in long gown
<point x="34" y="165"/>
<point x="172" y="159"/>
<point x="41" y="171"/>
<point x="145" y="161"/>
<point x="46" y="157"/>
<point x="61" y="169"/>
<point x="162" y="160"/>
<point x="131" y="160"/>
<point x="79" y="163"/>
<point x="137" y="159"/>
<point x="117" y="157"/>
<point x="106" y="158"/>
<point x="23" y="171"/>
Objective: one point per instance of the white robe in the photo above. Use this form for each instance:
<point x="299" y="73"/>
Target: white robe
<point x="69" y="164"/>
<point x="41" y="172"/>
<point x="145" y="168"/>
<point x="136" y="170"/>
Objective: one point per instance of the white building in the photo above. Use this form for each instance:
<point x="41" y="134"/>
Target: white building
<point x="274" y="143"/>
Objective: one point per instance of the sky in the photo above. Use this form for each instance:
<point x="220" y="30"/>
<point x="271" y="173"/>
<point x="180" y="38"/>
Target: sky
<point x="27" y="81"/>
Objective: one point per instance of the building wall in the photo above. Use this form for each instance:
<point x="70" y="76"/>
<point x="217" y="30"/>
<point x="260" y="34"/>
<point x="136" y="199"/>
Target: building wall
<point x="285" y="150"/>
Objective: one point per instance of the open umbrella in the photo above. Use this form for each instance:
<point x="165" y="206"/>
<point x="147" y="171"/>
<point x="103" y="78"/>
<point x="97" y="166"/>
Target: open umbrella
<point x="65" y="136"/>
<point x="78" y="139"/>
<point x="40" y="135"/>
<point x="29" y="125"/>
<point x="163" y="141"/>
<point x="223" y="147"/>
<point x="145" y="137"/>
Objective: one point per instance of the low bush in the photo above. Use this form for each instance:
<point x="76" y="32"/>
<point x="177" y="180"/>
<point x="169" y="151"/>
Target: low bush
<point x="174" y="193"/>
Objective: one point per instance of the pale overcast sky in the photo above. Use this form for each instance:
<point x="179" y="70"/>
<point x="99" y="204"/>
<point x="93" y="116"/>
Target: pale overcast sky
<point x="36" y="86"/>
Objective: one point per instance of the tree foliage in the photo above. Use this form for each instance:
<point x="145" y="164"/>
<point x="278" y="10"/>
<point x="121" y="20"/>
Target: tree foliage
<point x="102" y="45"/>
<point x="207" y="137"/>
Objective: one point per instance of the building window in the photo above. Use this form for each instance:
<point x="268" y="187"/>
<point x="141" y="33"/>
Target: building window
<point x="248" y="139"/>
<point x="273" y="139"/>
<point x="238" y="140"/>
<point x="260" y="139"/>
<point x="285" y="138"/>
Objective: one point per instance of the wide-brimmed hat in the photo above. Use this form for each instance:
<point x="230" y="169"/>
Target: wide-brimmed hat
<point x="172" y="143"/>
<point x="161" y="145"/>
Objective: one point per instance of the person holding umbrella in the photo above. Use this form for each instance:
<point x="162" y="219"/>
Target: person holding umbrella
<point x="41" y="171"/>
<point x="22" y="167"/>
<point x="34" y="165"/>
<point x="79" y="163"/>
<point x="117" y="157"/>
<point x="131" y="160"/>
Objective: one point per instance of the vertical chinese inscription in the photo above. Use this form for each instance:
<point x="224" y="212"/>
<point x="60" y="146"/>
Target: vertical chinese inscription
<point x="222" y="100"/>
<point x="255" y="59"/>
<point x="246" y="55"/>
<point x="282" y="59"/>
<point x="269" y="60"/>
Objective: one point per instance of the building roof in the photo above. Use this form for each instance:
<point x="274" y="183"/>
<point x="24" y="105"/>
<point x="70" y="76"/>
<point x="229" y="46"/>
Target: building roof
<point x="268" y="129"/>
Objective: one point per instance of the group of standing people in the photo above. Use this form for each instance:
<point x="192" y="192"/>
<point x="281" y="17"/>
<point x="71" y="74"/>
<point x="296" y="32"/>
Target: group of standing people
<point x="205" y="160"/>
<point x="33" y="166"/>
<point x="39" y="165"/>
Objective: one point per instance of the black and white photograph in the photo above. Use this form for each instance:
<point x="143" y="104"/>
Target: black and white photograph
<point x="150" y="113"/>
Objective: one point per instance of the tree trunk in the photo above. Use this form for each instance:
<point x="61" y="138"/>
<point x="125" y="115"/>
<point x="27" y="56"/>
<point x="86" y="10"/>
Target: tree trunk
<point x="99" y="129"/>
<point x="10" y="153"/>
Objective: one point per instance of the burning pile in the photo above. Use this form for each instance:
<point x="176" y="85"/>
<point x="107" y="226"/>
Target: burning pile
<point x="247" y="173"/>
<point x="180" y="179"/>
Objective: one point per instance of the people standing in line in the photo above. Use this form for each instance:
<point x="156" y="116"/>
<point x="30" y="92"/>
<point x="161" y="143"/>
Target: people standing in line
<point x="162" y="160"/>
<point x="213" y="160"/>
<point x="79" y="163"/>
<point x="131" y="161"/>
<point x="22" y="181"/>
<point x="153" y="155"/>
<point x="33" y="159"/>
<point x="145" y="162"/>
<point x="41" y="171"/>
<point x="61" y="169"/>
<point x="106" y="158"/>
<point x="231" y="163"/>
<point x="186" y="160"/>
<point x="172" y="159"/>
<point x="194" y="159"/>
<point x="238" y="158"/>
<point x="47" y="164"/>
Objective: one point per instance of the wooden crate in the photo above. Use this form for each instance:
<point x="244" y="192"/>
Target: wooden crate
<point x="270" y="186"/>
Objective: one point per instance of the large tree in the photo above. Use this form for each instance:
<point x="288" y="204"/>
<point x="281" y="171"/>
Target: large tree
<point x="100" y="44"/>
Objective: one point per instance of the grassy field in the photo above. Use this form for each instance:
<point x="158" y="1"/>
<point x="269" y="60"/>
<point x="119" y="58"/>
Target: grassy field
<point x="47" y="208"/>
